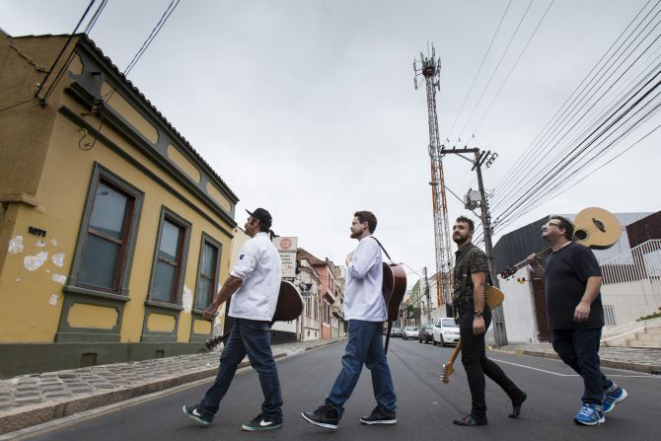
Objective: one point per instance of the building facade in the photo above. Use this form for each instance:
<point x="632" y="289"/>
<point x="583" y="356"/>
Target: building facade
<point x="115" y="231"/>
<point x="524" y="306"/>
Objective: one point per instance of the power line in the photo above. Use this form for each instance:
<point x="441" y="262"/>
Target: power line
<point x="66" y="44"/>
<point x="531" y="171"/>
<point x="513" y="67"/>
<point x="502" y="57"/>
<point x="477" y="74"/>
<point x="553" y="123"/>
<point x="164" y="18"/>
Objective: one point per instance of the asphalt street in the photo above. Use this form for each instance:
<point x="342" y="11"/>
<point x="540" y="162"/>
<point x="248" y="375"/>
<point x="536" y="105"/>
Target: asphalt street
<point x="426" y="407"/>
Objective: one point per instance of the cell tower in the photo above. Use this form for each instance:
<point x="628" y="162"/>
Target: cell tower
<point x="430" y="69"/>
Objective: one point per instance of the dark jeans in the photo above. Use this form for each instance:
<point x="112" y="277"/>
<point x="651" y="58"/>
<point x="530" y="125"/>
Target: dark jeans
<point x="477" y="365"/>
<point x="365" y="346"/>
<point x="579" y="348"/>
<point x="253" y="338"/>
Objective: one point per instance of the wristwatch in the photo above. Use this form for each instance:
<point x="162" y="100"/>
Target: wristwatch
<point x="478" y="313"/>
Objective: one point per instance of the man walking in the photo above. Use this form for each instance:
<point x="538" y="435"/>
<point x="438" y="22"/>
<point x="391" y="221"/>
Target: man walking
<point x="255" y="284"/>
<point x="470" y="278"/>
<point x="365" y="310"/>
<point x="573" y="303"/>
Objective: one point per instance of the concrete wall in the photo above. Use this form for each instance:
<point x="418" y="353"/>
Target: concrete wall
<point x="519" y="310"/>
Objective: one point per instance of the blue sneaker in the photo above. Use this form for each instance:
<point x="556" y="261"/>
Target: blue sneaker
<point x="611" y="399"/>
<point x="590" y="415"/>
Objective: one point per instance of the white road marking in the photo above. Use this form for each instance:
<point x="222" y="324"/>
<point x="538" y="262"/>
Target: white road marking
<point x="657" y="377"/>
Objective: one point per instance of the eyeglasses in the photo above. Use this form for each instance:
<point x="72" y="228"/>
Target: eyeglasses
<point x="550" y="224"/>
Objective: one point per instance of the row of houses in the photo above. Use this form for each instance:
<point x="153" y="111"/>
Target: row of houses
<point x="115" y="231"/>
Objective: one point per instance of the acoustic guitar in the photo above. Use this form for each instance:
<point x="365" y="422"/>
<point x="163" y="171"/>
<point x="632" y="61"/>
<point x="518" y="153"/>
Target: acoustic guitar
<point x="494" y="297"/>
<point x="393" y="289"/>
<point x="289" y="307"/>
<point x="593" y="227"/>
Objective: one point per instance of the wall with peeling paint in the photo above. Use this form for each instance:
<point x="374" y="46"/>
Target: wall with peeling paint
<point x="35" y="270"/>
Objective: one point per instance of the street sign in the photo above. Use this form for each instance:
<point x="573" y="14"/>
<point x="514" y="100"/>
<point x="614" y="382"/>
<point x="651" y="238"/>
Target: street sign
<point x="286" y="246"/>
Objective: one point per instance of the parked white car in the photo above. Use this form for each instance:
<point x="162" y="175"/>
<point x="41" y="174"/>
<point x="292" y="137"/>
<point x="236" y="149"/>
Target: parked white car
<point x="410" y="332"/>
<point x="446" y="332"/>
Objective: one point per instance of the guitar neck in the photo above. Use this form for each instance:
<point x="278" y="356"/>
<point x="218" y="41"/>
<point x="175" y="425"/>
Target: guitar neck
<point x="455" y="353"/>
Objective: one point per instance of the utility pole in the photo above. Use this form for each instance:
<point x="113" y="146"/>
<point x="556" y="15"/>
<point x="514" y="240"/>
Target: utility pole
<point x="485" y="158"/>
<point x="498" y="319"/>
<point x="427" y="296"/>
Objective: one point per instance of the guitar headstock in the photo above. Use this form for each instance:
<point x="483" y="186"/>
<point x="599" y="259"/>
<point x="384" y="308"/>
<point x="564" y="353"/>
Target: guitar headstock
<point x="509" y="272"/>
<point x="448" y="370"/>
<point x="214" y="341"/>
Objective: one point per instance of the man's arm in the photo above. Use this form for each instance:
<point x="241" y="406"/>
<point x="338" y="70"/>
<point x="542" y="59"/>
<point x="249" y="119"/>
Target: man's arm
<point x="363" y="259"/>
<point x="229" y="287"/>
<point x="582" y="310"/>
<point x="533" y="261"/>
<point x="479" y="285"/>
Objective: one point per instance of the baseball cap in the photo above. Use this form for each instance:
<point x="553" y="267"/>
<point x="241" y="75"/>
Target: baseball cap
<point x="263" y="216"/>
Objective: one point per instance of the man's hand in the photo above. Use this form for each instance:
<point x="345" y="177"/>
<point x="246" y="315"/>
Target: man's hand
<point x="210" y="312"/>
<point x="533" y="259"/>
<point x="478" y="326"/>
<point x="348" y="259"/>
<point x="582" y="312"/>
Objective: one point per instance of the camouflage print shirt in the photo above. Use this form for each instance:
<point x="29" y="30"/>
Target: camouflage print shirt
<point x="477" y="263"/>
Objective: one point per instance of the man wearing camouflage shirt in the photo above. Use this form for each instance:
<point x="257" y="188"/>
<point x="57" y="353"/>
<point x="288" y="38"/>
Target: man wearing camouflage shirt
<point x="470" y="278"/>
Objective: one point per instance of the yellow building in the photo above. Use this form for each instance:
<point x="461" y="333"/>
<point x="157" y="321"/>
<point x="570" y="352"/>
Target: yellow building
<point x="115" y="232"/>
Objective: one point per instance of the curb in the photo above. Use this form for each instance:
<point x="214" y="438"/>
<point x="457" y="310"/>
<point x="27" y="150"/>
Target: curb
<point x="33" y="415"/>
<point x="637" y="367"/>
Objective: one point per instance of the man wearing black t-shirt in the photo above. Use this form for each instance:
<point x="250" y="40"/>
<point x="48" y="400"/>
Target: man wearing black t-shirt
<point x="573" y="304"/>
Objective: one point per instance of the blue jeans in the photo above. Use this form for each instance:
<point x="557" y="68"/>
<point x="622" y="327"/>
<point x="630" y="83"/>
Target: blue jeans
<point x="579" y="348"/>
<point x="365" y="346"/>
<point x="252" y="338"/>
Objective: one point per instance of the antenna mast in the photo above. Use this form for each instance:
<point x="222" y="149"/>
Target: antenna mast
<point x="430" y="70"/>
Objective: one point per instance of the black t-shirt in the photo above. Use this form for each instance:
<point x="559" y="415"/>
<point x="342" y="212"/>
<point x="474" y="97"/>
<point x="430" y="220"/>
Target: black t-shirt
<point x="567" y="272"/>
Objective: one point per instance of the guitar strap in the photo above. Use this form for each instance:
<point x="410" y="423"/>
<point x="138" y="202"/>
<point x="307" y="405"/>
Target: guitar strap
<point x="384" y="250"/>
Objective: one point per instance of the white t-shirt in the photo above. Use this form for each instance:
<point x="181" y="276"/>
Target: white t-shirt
<point x="363" y="297"/>
<point x="260" y="268"/>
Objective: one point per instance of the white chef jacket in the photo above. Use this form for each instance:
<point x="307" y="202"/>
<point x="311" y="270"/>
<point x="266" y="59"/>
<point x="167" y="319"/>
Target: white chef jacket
<point x="363" y="297"/>
<point x="260" y="268"/>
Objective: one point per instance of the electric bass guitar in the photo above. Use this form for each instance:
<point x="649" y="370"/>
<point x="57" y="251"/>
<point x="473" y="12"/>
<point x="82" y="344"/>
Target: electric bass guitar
<point x="289" y="307"/>
<point x="494" y="297"/>
<point x="594" y="228"/>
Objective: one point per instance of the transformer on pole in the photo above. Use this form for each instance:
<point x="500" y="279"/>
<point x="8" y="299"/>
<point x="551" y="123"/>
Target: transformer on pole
<point x="430" y="70"/>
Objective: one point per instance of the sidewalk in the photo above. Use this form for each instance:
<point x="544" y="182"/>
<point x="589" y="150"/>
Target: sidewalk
<point x="29" y="400"/>
<point x="646" y="360"/>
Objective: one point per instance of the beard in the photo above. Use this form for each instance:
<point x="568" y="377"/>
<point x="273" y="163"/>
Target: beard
<point x="354" y="235"/>
<point x="459" y="240"/>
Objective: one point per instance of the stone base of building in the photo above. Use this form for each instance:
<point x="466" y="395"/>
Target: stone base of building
<point x="31" y="358"/>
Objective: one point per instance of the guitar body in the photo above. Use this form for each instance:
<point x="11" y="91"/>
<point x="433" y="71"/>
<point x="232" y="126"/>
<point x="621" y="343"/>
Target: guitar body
<point x="289" y="307"/>
<point x="596" y="228"/>
<point x="290" y="303"/>
<point x="393" y="288"/>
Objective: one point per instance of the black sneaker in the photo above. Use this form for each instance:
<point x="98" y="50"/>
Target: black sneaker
<point x="260" y="422"/>
<point x="379" y="417"/>
<point x="516" y="405"/>
<point x="194" y="413"/>
<point x="325" y="416"/>
<point x="470" y="420"/>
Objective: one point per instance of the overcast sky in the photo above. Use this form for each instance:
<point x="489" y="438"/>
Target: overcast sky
<point x="307" y="108"/>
